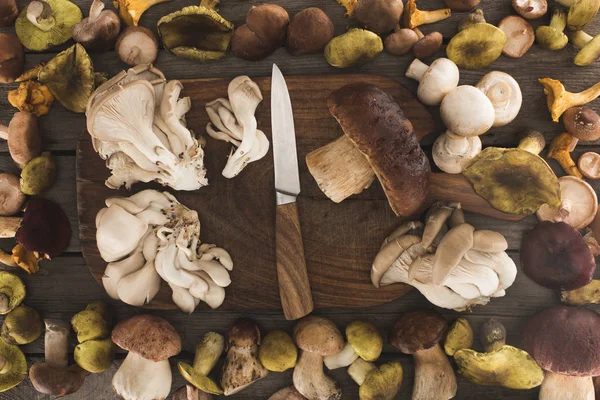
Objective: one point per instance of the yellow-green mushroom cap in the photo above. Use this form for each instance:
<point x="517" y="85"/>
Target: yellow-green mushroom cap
<point x="208" y="351"/>
<point x="382" y="383"/>
<point x="12" y="292"/>
<point x="14" y="366"/>
<point x="202" y="382"/>
<point x="477" y="46"/>
<point x="551" y="38"/>
<point x="459" y="336"/>
<point x="365" y="339"/>
<point x="588" y="53"/>
<point x="89" y="325"/>
<point x="355" y="47"/>
<point x="103" y="308"/>
<point x="196" y="32"/>
<point x="95" y="355"/>
<point x="22" y="325"/>
<point x="581" y="13"/>
<point x="38" y="175"/>
<point x="277" y="351"/>
<point x="53" y="26"/>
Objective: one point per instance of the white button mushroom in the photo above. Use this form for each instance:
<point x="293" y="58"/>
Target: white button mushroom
<point x="435" y="81"/>
<point x="505" y="94"/>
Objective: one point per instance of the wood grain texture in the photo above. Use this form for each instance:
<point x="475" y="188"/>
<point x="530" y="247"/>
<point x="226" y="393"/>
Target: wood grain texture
<point x="292" y="275"/>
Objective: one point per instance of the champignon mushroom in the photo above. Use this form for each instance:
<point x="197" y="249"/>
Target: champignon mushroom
<point x="145" y="373"/>
<point x="472" y="18"/>
<point x="589" y="165"/>
<point x="54" y="376"/>
<point x="560" y="150"/>
<point x="207" y="354"/>
<point x="23" y="137"/>
<point x="137" y="45"/>
<point x="583" y="123"/>
<point x="554" y="255"/>
<point x="11" y="197"/>
<point x="530" y="9"/>
<point x="519" y="36"/>
<point x="8" y="13"/>
<point x="131" y="11"/>
<point x="458" y="337"/>
<point x="579" y="204"/>
<point x="435" y="80"/>
<point x="504" y="92"/>
<point x="427" y="45"/>
<point x="363" y="341"/>
<point x="588" y="294"/>
<point x="418" y="333"/>
<point x="22" y="325"/>
<point x="581" y="13"/>
<point x="317" y="337"/>
<point x="99" y="30"/>
<point x="13" y="366"/>
<point x="564" y="341"/>
<point x="12" y="58"/>
<point x="462" y="5"/>
<point x="278" y="352"/>
<point x="589" y="48"/>
<point x="477" y="46"/>
<point x="401" y="41"/>
<point x="242" y="366"/>
<point x="309" y="32"/>
<point x="413" y="17"/>
<point x="262" y="34"/>
<point x="12" y="292"/>
<point x="31" y="96"/>
<point x="287" y="393"/>
<point x="559" y="100"/>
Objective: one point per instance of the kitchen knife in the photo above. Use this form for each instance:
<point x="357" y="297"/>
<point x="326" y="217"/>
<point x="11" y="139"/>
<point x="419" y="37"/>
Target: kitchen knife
<point x="294" y="288"/>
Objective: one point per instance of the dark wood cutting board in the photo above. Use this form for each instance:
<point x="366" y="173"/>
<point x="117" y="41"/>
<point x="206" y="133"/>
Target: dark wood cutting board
<point x="239" y="214"/>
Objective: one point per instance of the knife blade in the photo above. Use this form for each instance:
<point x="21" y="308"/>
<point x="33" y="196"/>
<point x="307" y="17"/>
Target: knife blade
<point x="292" y="275"/>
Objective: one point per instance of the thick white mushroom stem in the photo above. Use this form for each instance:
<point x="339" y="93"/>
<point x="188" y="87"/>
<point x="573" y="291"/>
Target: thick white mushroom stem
<point x="434" y="377"/>
<point x="342" y="359"/>
<point x="310" y="380"/>
<point x="561" y="387"/>
<point x="39" y="13"/>
<point x="56" y="342"/>
<point x="452" y="152"/>
<point x="359" y="370"/>
<point x="138" y="378"/>
<point x="416" y="70"/>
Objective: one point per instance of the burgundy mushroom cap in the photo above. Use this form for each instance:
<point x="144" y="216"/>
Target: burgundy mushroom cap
<point x="417" y="330"/>
<point x="565" y="340"/>
<point x="152" y="338"/>
<point x="554" y="255"/>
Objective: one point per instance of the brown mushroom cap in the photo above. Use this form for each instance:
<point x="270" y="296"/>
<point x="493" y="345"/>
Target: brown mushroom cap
<point x="428" y="45"/>
<point x="589" y="165"/>
<point x="153" y="338"/>
<point x="56" y="380"/>
<point x="400" y="42"/>
<point x="137" y="45"/>
<point x="378" y="16"/>
<point x="12" y="57"/>
<point x="24" y="138"/>
<point x="583" y="123"/>
<point x="262" y="34"/>
<point x="519" y="36"/>
<point x="309" y="32"/>
<point x="11" y="197"/>
<point x="244" y="332"/>
<point x="530" y="9"/>
<point x="8" y="13"/>
<point x="461" y="5"/>
<point x="318" y="335"/>
<point x="417" y="330"/>
<point x="564" y="340"/>
<point x="554" y="255"/>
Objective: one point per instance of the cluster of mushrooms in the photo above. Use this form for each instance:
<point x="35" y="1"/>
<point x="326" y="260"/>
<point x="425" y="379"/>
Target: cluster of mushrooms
<point x="149" y="237"/>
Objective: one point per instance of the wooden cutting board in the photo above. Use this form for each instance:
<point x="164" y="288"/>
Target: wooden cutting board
<point x="340" y="240"/>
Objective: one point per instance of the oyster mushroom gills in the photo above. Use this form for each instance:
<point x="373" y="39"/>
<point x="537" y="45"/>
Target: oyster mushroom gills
<point x="262" y="34"/>
<point x="161" y="148"/>
<point x="207" y="355"/>
<point x="454" y="268"/>
<point x="151" y="236"/>
<point x="99" y="30"/>
<point x="232" y="120"/>
<point x="12" y="58"/>
<point x="145" y="373"/>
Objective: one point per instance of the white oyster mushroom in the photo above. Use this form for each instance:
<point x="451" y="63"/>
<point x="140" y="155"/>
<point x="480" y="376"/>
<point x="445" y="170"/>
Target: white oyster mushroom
<point x="505" y="94"/>
<point x="115" y="271"/>
<point x="118" y="233"/>
<point x="139" y="287"/>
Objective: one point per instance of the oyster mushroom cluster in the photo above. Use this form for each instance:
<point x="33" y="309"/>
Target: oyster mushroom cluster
<point x="137" y="124"/>
<point x="149" y="236"/>
<point x="450" y="263"/>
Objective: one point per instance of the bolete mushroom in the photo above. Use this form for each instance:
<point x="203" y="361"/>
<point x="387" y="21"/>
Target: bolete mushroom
<point x="242" y="366"/>
<point x="505" y="94"/>
<point x="137" y="45"/>
<point x="12" y="292"/>
<point x="287" y="393"/>
<point x="46" y="23"/>
<point x="355" y="47"/>
<point x="559" y="100"/>
<point x="212" y="32"/>
<point x="379" y="16"/>
<point x="131" y="11"/>
<point x="519" y="36"/>
<point x="560" y="150"/>
<point x="12" y="58"/>
<point x="13" y="366"/>
<point x="578" y="207"/>
<point x="581" y="13"/>
<point x="552" y="37"/>
<point x="317" y="337"/>
<point x="54" y="376"/>
<point x="31" y="96"/>
<point x="477" y="46"/>
<point x="413" y="17"/>
<point x="589" y="165"/>
<point x="530" y="9"/>
<point x="145" y="373"/>
<point x="435" y="80"/>
<point x="401" y="41"/>
<point x="589" y="48"/>
<point x="363" y="341"/>
<point x="588" y="294"/>
<point x="418" y="333"/>
<point x="22" y="325"/>
<point x="462" y="5"/>
<point x="583" y="123"/>
<point x="564" y="341"/>
<point x="262" y="34"/>
<point x="277" y="351"/>
<point x="309" y="32"/>
<point x="458" y="337"/>
<point x="501" y="364"/>
<point x="11" y="196"/>
<point x="23" y="137"/>
<point x="207" y="354"/>
<point x="554" y="255"/>
<point x="8" y="13"/>
<point x="99" y="30"/>
<point x="427" y="45"/>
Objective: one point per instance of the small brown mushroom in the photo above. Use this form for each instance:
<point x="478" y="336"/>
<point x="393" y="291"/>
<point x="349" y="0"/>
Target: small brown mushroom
<point x="589" y="165"/>
<point x="23" y="136"/>
<point x="583" y="123"/>
<point x="137" y="45"/>
<point x="99" y="30"/>
<point x="428" y="45"/>
<point x="462" y="5"/>
<point x="401" y="41"/>
<point x="8" y="13"/>
<point x="11" y="197"/>
<point x="378" y="16"/>
<point x="519" y="36"/>
<point x="309" y="32"/>
<point x="12" y="57"/>
<point x="530" y="9"/>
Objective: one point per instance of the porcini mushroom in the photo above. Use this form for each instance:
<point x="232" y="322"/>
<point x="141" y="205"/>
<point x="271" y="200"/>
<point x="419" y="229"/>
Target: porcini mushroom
<point x="477" y="46"/>
<point x="137" y="45"/>
<point x="554" y="255"/>
<point x="277" y="351"/>
<point x="145" y="373"/>
<point x="589" y="48"/>
<point x="505" y="94"/>
<point x="530" y="9"/>
<point x="31" y="96"/>
<point x="8" y="13"/>
<point x="519" y="36"/>
<point x="242" y="366"/>
<point x="583" y="123"/>
<point x="560" y="150"/>
<point x="353" y="48"/>
<point x="413" y="17"/>
<point x="559" y="100"/>
<point x="589" y="165"/>
<point x="427" y="45"/>
<point x="46" y="23"/>
<point x="458" y="337"/>
<point x="581" y="13"/>
<point x="461" y="5"/>
<point x="309" y="32"/>
<point x="418" y="333"/>
<point x="22" y="325"/>
<point x="13" y="366"/>
<point x="12" y="58"/>
<point x="54" y="376"/>
<point x="12" y="292"/>
<point x="435" y="80"/>
<point x="207" y="354"/>
<point x="552" y="37"/>
<point x="11" y="197"/>
<point x="317" y="337"/>
<point x="262" y="34"/>
<point x="23" y="137"/>
<point x="131" y="11"/>
<point x="363" y="341"/>
<point x="578" y="207"/>
<point x="588" y="294"/>
<point x="564" y="342"/>
<point x="99" y="30"/>
<point x="401" y="41"/>
<point x="287" y="393"/>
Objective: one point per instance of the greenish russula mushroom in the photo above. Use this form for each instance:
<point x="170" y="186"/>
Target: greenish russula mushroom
<point x="89" y="325"/>
<point x="13" y="366"/>
<point x="12" y="292"/>
<point x="46" y="23"/>
<point x="552" y="37"/>
<point x="208" y="352"/>
<point x="102" y="308"/>
<point x="459" y="336"/>
<point x="38" y="175"/>
<point x="382" y="383"/>
<point x="22" y="325"/>
<point x="589" y="47"/>
<point x="581" y="13"/>
<point x="365" y="339"/>
<point x="477" y="46"/>
<point x="277" y="351"/>
<point x="355" y="47"/>
<point x="95" y="356"/>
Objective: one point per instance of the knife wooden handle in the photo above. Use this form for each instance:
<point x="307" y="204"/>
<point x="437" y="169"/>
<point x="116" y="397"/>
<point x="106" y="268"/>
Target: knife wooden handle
<point x="294" y="288"/>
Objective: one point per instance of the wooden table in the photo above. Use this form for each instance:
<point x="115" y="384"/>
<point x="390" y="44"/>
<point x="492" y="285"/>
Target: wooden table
<point x="64" y="286"/>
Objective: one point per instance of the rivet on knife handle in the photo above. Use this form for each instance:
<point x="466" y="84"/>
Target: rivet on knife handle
<point x="294" y="287"/>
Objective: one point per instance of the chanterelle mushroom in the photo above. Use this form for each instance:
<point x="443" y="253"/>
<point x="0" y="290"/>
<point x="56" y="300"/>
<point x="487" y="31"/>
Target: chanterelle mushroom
<point x="131" y="11"/>
<point x="145" y="373"/>
<point x="559" y="100"/>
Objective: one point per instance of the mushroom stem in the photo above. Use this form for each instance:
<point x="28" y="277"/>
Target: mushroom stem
<point x="560" y="387"/>
<point x="580" y="38"/>
<point x="56" y="342"/>
<point x="559" y="19"/>
<point x="4" y="365"/>
<point x="434" y="377"/>
<point x="96" y="9"/>
<point x="9" y="226"/>
<point x="429" y="17"/>
<point x="560" y="150"/>
<point x="417" y="69"/>
<point x="309" y="378"/>
<point x="210" y="4"/>
<point x="532" y="142"/>
<point x="560" y="100"/>
<point x="588" y="294"/>
<point x="360" y="369"/>
<point x="456" y="144"/>
<point x="208" y="352"/>
<point x="39" y="13"/>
